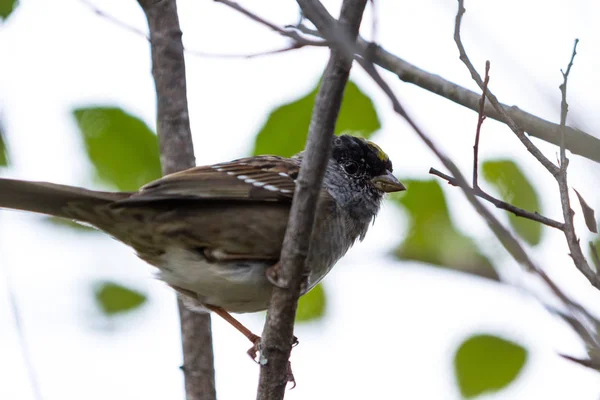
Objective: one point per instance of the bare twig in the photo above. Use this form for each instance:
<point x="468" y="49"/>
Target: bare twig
<point x="292" y="34"/>
<point x="326" y="24"/>
<point x="589" y="363"/>
<point x="113" y="19"/>
<point x="480" y="120"/>
<point x="293" y="46"/>
<point x="277" y="335"/>
<point x="519" y="212"/>
<point x="578" y="142"/>
<point x="563" y="187"/>
<point x="553" y="169"/>
<point x="559" y="173"/>
<point x="177" y="153"/>
<point x="24" y="346"/>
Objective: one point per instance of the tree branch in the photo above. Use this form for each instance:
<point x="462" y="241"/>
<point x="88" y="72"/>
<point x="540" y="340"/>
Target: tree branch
<point x="510" y="243"/>
<point x="177" y="153"/>
<point x="553" y="169"/>
<point x="277" y="335"/>
<point x="519" y="212"/>
<point x="563" y="187"/>
<point x="559" y="173"/>
<point x="577" y="141"/>
<point x="480" y="119"/>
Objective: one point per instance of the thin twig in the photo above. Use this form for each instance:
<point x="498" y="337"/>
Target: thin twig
<point x="177" y="153"/>
<point x="557" y="172"/>
<point x="570" y="235"/>
<point x="326" y="25"/>
<point x="293" y="46"/>
<point x="24" y="346"/>
<point x="578" y="142"/>
<point x="293" y="34"/>
<point x="480" y="120"/>
<point x="277" y="335"/>
<point x="114" y="20"/>
<point x="553" y="169"/>
<point x="572" y="240"/>
<point x="519" y="212"/>
<point x="589" y="363"/>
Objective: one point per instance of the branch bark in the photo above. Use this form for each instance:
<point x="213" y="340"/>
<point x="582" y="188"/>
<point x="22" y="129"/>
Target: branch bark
<point x="278" y="332"/>
<point x="177" y="153"/>
<point x="576" y="141"/>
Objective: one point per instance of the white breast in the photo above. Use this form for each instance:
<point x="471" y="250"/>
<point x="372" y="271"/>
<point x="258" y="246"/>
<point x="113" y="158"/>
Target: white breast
<point x="237" y="287"/>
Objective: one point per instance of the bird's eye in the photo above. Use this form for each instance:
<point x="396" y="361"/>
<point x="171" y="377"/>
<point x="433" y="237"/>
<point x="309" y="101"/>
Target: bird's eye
<point x="351" y="167"/>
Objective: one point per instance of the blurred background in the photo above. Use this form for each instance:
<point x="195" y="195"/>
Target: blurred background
<point x="406" y="313"/>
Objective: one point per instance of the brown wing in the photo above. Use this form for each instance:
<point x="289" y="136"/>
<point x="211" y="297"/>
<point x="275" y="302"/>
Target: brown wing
<point x="230" y="211"/>
<point x="264" y="178"/>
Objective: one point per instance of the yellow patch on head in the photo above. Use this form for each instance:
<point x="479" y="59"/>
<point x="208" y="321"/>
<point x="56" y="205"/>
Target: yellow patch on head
<point x="380" y="153"/>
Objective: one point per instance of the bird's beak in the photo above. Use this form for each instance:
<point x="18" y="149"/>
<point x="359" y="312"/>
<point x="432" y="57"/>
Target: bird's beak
<point x="388" y="183"/>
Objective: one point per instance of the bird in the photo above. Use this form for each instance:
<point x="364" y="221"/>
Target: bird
<point x="215" y="232"/>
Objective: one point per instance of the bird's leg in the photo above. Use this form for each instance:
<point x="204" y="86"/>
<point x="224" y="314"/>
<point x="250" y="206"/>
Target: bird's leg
<point x="255" y="339"/>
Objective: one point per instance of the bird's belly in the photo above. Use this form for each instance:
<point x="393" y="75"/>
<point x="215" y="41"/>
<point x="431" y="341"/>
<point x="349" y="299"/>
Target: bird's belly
<point x="237" y="287"/>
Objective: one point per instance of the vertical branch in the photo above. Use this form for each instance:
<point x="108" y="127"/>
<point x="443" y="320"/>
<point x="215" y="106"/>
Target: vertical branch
<point x="480" y="120"/>
<point x="277" y="335"/>
<point x="177" y="153"/>
<point x="563" y="187"/>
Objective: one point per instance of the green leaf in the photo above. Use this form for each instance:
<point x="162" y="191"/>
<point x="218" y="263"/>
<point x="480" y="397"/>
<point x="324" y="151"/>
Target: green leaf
<point x="312" y="305"/>
<point x="514" y="188"/>
<point x="594" y="248"/>
<point x="113" y="298"/>
<point x="486" y="363"/>
<point x="286" y="129"/>
<point x="7" y="7"/>
<point x="122" y="148"/>
<point x="432" y="237"/>
<point x="3" y="150"/>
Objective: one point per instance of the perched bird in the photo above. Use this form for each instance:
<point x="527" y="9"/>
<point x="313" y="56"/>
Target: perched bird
<point x="215" y="232"/>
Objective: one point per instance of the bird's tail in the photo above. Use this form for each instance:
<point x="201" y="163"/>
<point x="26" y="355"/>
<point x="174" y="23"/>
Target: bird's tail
<point x="52" y="199"/>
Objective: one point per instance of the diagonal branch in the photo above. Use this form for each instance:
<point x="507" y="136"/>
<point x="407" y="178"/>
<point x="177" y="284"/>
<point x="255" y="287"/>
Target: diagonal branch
<point x="519" y="132"/>
<point x="324" y="22"/>
<point x="519" y="212"/>
<point x="559" y="173"/>
<point x="577" y="141"/>
<point x="177" y="153"/>
<point x="277" y="335"/>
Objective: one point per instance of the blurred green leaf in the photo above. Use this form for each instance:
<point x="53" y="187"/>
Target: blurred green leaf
<point x="7" y="7"/>
<point x="432" y="237"/>
<point x="312" y="305"/>
<point x="486" y="363"/>
<point x="122" y="148"/>
<point x="3" y="150"/>
<point x="113" y="298"/>
<point x="286" y="129"/>
<point x="594" y="248"/>
<point x="68" y="223"/>
<point x="514" y="188"/>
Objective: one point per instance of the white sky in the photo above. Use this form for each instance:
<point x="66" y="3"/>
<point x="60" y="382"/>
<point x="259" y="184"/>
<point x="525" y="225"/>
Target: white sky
<point x="391" y="327"/>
